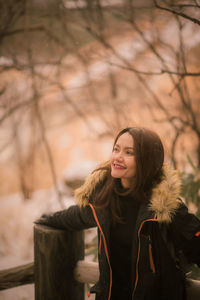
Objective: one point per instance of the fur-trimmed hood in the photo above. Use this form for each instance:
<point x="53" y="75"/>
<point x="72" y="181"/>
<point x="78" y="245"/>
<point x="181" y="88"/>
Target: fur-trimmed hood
<point x="164" y="200"/>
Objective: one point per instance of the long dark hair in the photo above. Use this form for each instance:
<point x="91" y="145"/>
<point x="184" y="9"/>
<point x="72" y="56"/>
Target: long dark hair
<point x="149" y="156"/>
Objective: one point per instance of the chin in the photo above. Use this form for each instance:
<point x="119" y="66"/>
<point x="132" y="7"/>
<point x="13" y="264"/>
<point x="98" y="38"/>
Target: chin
<point x="114" y="175"/>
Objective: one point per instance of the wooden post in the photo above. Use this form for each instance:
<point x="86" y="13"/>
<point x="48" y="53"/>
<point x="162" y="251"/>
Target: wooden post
<point x="56" y="255"/>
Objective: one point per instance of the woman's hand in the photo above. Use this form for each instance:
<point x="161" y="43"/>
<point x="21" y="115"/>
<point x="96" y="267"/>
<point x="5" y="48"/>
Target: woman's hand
<point x="43" y="220"/>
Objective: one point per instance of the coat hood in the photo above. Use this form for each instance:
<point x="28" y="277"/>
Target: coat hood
<point x="164" y="200"/>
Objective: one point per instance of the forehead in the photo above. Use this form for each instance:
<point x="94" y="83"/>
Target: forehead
<point x="125" y="140"/>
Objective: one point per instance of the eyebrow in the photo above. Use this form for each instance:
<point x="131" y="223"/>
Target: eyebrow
<point x="129" y="148"/>
<point x="124" y="147"/>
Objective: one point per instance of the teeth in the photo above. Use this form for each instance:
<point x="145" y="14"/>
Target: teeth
<point x="116" y="165"/>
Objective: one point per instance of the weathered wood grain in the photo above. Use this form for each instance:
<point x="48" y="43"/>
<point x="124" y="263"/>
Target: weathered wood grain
<point x="17" y="276"/>
<point x="56" y="255"/>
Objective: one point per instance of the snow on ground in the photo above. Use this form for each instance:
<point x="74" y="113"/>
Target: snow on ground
<point x="79" y="170"/>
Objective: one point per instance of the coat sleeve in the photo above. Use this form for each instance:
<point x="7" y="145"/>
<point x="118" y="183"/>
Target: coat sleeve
<point x="73" y="218"/>
<point x="185" y="228"/>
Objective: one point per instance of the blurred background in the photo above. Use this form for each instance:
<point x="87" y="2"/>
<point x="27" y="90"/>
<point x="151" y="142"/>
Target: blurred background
<point x="73" y="73"/>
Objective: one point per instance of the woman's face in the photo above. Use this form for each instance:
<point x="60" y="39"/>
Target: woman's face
<point x="122" y="160"/>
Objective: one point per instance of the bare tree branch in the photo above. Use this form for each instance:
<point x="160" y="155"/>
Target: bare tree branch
<point x="21" y="30"/>
<point x="183" y="15"/>
<point x="161" y="72"/>
<point x="13" y="109"/>
<point x="42" y="127"/>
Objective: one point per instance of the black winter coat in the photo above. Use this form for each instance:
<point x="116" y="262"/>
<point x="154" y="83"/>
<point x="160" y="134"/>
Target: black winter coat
<point x="166" y="239"/>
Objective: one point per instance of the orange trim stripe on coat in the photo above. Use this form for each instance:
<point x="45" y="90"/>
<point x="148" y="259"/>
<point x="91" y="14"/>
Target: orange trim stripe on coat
<point x="138" y="257"/>
<point x="105" y="245"/>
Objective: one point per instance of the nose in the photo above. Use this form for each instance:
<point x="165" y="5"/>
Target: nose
<point x="118" y="156"/>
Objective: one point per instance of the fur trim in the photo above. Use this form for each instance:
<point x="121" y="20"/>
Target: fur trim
<point x="165" y="196"/>
<point x="164" y="200"/>
<point x="83" y="193"/>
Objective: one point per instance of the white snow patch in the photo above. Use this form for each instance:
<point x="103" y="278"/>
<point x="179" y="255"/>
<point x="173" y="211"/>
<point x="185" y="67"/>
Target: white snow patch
<point x="79" y="170"/>
<point x="4" y="61"/>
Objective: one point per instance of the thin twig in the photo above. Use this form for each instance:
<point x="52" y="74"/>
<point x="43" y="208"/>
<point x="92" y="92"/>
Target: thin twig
<point x="181" y="14"/>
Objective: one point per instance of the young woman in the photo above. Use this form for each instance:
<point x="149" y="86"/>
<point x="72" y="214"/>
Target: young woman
<point x="146" y="235"/>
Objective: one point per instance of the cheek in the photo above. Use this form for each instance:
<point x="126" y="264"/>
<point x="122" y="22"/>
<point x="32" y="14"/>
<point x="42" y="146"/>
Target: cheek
<point x="111" y="157"/>
<point x="132" y="166"/>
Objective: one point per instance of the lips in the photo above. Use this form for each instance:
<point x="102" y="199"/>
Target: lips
<point x="118" y="166"/>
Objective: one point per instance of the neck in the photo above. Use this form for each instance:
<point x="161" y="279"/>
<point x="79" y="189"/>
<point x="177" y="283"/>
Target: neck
<point x="125" y="183"/>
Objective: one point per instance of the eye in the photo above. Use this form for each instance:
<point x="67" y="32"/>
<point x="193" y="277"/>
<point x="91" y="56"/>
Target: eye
<point x="129" y="152"/>
<point x="115" y="149"/>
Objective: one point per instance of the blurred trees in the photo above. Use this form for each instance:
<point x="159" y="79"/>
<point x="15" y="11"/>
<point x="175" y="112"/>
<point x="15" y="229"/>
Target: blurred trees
<point x="123" y="54"/>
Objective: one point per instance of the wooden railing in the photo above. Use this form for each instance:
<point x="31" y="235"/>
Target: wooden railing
<point x="17" y="276"/>
<point x="58" y="271"/>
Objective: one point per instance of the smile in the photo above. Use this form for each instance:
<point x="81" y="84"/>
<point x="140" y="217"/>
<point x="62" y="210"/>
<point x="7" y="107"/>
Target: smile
<point x="118" y="167"/>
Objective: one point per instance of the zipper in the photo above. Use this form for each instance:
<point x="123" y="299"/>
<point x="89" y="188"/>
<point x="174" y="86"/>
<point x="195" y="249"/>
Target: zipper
<point x="138" y="256"/>
<point x="151" y="260"/>
<point x="105" y="246"/>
